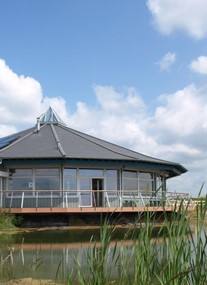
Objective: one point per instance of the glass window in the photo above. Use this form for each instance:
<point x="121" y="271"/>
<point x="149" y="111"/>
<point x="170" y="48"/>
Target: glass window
<point x="160" y="183"/>
<point x="146" y="186"/>
<point x="91" y="172"/>
<point x="111" y="181"/>
<point x="130" y="181"/>
<point x="23" y="179"/>
<point x="20" y="172"/>
<point x="111" y="184"/>
<point x="145" y="175"/>
<point x="45" y="183"/>
<point x="130" y="184"/>
<point x="70" y="183"/>
<point x="70" y="171"/>
<point x="129" y="174"/>
<point x="111" y="173"/>
<point x="47" y="179"/>
<point x="85" y="184"/>
<point x="146" y="181"/>
<point x="85" y="195"/>
<point x="47" y="172"/>
<point x="70" y="180"/>
<point x="22" y="183"/>
<point x="20" y="179"/>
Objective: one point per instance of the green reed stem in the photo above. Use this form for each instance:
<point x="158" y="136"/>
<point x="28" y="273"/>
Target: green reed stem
<point x="176" y="255"/>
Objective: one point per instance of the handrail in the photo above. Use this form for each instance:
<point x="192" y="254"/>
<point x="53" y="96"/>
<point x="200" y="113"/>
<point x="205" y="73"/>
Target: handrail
<point x="173" y="193"/>
<point x="88" y="198"/>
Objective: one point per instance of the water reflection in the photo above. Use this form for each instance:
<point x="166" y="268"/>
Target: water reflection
<point x="52" y="254"/>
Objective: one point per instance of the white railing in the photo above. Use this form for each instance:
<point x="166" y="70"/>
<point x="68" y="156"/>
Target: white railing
<point x="90" y="198"/>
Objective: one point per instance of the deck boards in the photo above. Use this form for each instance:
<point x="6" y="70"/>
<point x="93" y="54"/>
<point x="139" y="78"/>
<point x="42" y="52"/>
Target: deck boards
<point x="90" y="210"/>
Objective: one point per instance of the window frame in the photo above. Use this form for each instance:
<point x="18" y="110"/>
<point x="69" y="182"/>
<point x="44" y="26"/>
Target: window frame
<point x="34" y="192"/>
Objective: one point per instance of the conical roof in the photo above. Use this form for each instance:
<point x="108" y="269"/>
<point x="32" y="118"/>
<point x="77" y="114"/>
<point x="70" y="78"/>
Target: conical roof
<point x="54" y="140"/>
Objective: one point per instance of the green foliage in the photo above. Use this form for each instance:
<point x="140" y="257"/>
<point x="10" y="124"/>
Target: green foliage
<point x="174" y="257"/>
<point x="8" y="221"/>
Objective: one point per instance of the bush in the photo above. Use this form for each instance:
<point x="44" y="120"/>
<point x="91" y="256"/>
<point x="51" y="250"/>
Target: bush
<point x="8" y="221"/>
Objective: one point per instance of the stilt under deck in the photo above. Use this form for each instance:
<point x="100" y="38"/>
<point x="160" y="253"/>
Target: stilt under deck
<point x="91" y="216"/>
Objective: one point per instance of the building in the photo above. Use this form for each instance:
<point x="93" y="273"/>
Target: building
<point x="51" y="168"/>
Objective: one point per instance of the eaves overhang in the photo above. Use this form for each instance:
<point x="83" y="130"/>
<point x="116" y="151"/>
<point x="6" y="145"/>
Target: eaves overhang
<point x="171" y="170"/>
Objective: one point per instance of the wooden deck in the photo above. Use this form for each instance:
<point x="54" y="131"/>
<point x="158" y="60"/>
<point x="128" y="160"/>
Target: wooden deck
<point x="89" y="210"/>
<point x="56" y="202"/>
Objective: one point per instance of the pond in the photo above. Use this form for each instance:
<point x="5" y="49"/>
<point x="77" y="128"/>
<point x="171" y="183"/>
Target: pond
<point x="49" y="254"/>
<point x="53" y="254"/>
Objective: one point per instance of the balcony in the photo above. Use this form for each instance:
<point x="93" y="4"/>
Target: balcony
<point x="90" y="201"/>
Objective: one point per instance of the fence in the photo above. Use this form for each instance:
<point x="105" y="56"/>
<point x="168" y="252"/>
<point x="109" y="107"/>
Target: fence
<point x="90" y="198"/>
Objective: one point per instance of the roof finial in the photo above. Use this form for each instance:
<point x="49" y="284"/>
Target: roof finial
<point x="51" y="117"/>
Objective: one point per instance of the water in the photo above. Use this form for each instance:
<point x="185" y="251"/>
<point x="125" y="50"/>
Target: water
<point x="50" y="254"/>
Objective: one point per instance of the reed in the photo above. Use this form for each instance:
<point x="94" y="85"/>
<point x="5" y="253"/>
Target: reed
<point x="176" y="256"/>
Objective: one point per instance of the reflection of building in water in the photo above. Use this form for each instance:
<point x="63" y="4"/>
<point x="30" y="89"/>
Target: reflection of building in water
<point x="27" y="259"/>
<point x="34" y="260"/>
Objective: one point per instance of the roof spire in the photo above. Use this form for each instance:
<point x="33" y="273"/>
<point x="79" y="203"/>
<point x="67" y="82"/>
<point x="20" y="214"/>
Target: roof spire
<point x="50" y="117"/>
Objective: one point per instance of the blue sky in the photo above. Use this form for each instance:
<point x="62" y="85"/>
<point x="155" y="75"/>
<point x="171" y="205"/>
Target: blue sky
<point x="132" y="72"/>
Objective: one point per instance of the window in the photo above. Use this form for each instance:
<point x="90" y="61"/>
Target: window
<point x="130" y="174"/>
<point x="111" y="181"/>
<point x="86" y="196"/>
<point x="85" y="180"/>
<point x="134" y="180"/>
<point x="91" y="172"/>
<point x="30" y="179"/>
<point x="146" y="181"/>
<point x="21" y="179"/>
<point x="47" y="179"/>
<point x="160" y="183"/>
<point x="70" y="180"/>
<point x="130" y="181"/>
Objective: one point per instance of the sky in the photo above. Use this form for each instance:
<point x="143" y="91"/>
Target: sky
<point x="128" y="71"/>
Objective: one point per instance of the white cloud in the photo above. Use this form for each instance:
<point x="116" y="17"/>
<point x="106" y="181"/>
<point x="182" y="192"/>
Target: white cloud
<point x="199" y="65"/>
<point x="22" y="100"/>
<point x="113" y="101"/>
<point x="17" y="91"/>
<point x="186" y="15"/>
<point x="167" y="61"/>
<point x="181" y="113"/>
<point x="115" y="117"/>
<point x="175" y="131"/>
<point x="7" y="130"/>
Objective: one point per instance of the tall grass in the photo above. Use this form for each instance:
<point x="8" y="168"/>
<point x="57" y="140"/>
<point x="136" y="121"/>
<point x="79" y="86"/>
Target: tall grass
<point x="176" y="256"/>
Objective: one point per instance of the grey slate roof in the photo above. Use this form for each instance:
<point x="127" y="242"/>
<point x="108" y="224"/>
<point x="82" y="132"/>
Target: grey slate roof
<point x="55" y="140"/>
